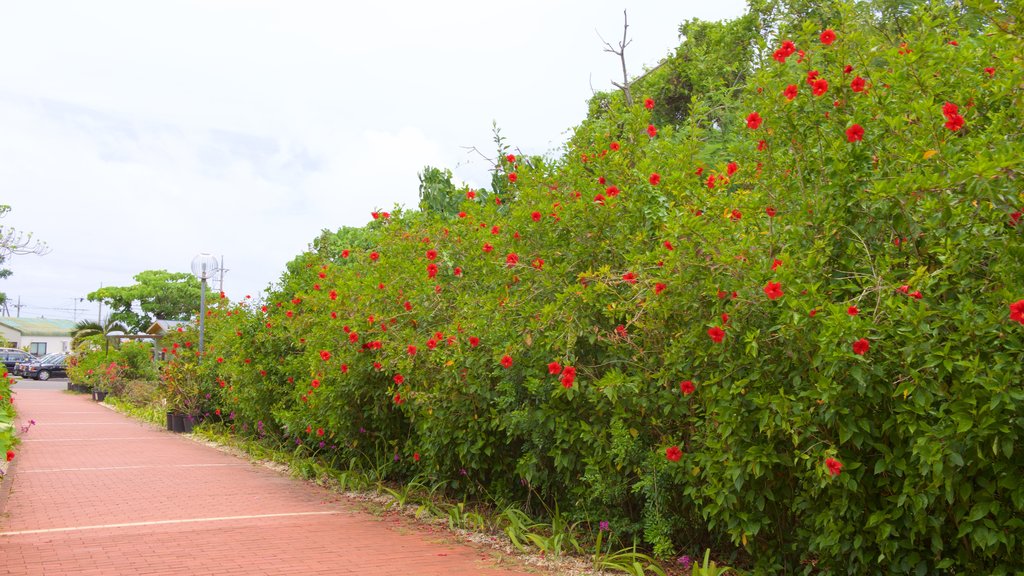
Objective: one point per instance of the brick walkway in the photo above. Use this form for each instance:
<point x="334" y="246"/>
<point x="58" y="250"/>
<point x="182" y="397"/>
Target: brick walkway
<point x="94" y="492"/>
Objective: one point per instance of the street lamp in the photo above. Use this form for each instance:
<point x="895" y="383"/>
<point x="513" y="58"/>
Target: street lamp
<point x="204" y="266"/>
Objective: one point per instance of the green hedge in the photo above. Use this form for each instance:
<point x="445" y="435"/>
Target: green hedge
<point x="861" y="412"/>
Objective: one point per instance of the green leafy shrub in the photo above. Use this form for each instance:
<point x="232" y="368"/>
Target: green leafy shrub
<point x="781" y="323"/>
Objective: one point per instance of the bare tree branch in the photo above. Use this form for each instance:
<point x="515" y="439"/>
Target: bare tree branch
<point x="621" y="53"/>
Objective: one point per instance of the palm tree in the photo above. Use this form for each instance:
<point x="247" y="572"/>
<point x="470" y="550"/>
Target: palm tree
<point x="87" y="328"/>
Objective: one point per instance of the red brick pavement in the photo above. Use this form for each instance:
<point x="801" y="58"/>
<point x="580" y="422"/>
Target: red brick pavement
<point x="94" y="492"/>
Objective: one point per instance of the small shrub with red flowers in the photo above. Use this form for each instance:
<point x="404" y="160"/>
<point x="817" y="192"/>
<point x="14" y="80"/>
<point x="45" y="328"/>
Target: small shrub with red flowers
<point x="8" y="440"/>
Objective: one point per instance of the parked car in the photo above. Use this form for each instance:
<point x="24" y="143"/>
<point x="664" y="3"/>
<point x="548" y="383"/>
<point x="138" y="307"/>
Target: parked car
<point x="11" y="356"/>
<point x="53" y="365"/>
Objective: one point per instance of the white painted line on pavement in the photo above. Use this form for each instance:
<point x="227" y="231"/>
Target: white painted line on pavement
<point x="91" y="439"/>
<point x="164" y="522"/>
<point x="37" y="470"/>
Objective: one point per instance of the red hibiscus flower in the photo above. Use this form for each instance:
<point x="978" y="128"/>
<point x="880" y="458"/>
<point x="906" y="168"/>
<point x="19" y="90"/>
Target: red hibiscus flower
<point x="673" y="453"/>
<point x="470" y="195"/>
<point x="431" y="254"/>
<point x="398" y="399"/>
<point x="474" y="341"/>
<point x="711" y="181"/>
<point x="649" y="103"/>
<point x="506" y="361"/>
<point x="513" y="177"/>
<point x="990" y="71"/>
<point x="659" y="288"/>
<point x="399" y="379"/>
<point x="855" y="133"/>
<point x="535" y="216"/>
<point x="353" y="337"/>
<point x="457" y="271"/>
<point x="773" y="290"/>
<point x="554" y="368"/>
<point x="819" y="87"/>
<point x="790" y="91"/>
<point x="668" y="245"/>
<point x="612" y="191"/>
<point x="431" y="270"/>
<point x="754" y="121"/>
<point x="828" y="36"/>
<point x="615" y="146"/>
<point x="511" y="158"/>
<point x="411" y="350"/>
<point x="857" y="84"/>
<point x="860" y="347"/>
<point x="686" y="387"/>
<point x="10" y="455"/>
<point x="950" y="109"/>
<point x="512" y="259"/>
<point x="853" y="310"/>
<point x="655" y="179"/>
<point x="770" y="211"/>
<point x="374" y="256"/>
<point x="487" y="247"/>
<point x="731" y="168"/>
<point x="955" y="122"/>
<point x="537" y="263"/>
<point x="325" y="355"/>
<point x="651" y="130"/>
<point x="847" y="69"/>
<point x="1017" y="311"/>
<point x="834" y="466"/>
<point x="716" y="334"/>
<point x="736" y="215"/>
<point x="776" y="263"/>
<point x="629" y="277"/>
<point x="762" y="145"/>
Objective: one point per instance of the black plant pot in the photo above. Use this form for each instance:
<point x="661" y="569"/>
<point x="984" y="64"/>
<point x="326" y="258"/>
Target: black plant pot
<point x="100" y="396"/>
<point x="187" y="422"/>
<point x="170" y="421"/>
<point x="179" y="422"/>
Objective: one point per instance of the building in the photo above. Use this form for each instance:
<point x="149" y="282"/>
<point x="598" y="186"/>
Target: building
<point x="39" y="336"/>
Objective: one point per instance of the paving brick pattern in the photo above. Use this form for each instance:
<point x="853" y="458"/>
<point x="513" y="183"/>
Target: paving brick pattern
<point x="94" y="492"/>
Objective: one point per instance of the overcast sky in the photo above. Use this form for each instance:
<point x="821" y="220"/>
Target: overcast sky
<point x="134" y="135"/>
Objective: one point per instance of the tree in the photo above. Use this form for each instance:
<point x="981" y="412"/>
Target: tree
<point x="157" y="295"/>
<point x="14" y="242"/>
<point x="87" y="328"/>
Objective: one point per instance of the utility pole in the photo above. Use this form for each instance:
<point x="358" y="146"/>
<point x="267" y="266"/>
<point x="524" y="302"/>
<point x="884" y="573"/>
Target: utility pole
<point x="99" y="315"/>
<point x="18" y="306"/>
<point x="222" y="271"/>
<point x="74" y="308"/>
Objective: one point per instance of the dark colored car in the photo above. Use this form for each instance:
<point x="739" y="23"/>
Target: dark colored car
<point x="11" y="356"/>
<point x="53" y="365"/>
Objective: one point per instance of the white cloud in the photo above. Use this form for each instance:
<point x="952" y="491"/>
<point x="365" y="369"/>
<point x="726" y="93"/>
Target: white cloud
<point x="135" y="135"/>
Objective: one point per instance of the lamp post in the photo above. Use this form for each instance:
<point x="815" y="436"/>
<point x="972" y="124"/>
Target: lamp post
<point x="204" y="266"/>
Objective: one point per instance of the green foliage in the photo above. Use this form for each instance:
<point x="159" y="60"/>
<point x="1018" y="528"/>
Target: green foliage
<point x="108" y="368"/>
<point x="437" y="193"/>
<point x="798" y="449"/>
<point x="86" y="328"/>
<point x="159" y="294"/>
<point x="8" y="440"/>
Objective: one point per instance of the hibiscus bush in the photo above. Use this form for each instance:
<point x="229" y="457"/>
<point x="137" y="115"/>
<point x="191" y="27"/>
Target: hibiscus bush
<point x="792" y="324"/>
<point x="7" y="416"/>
